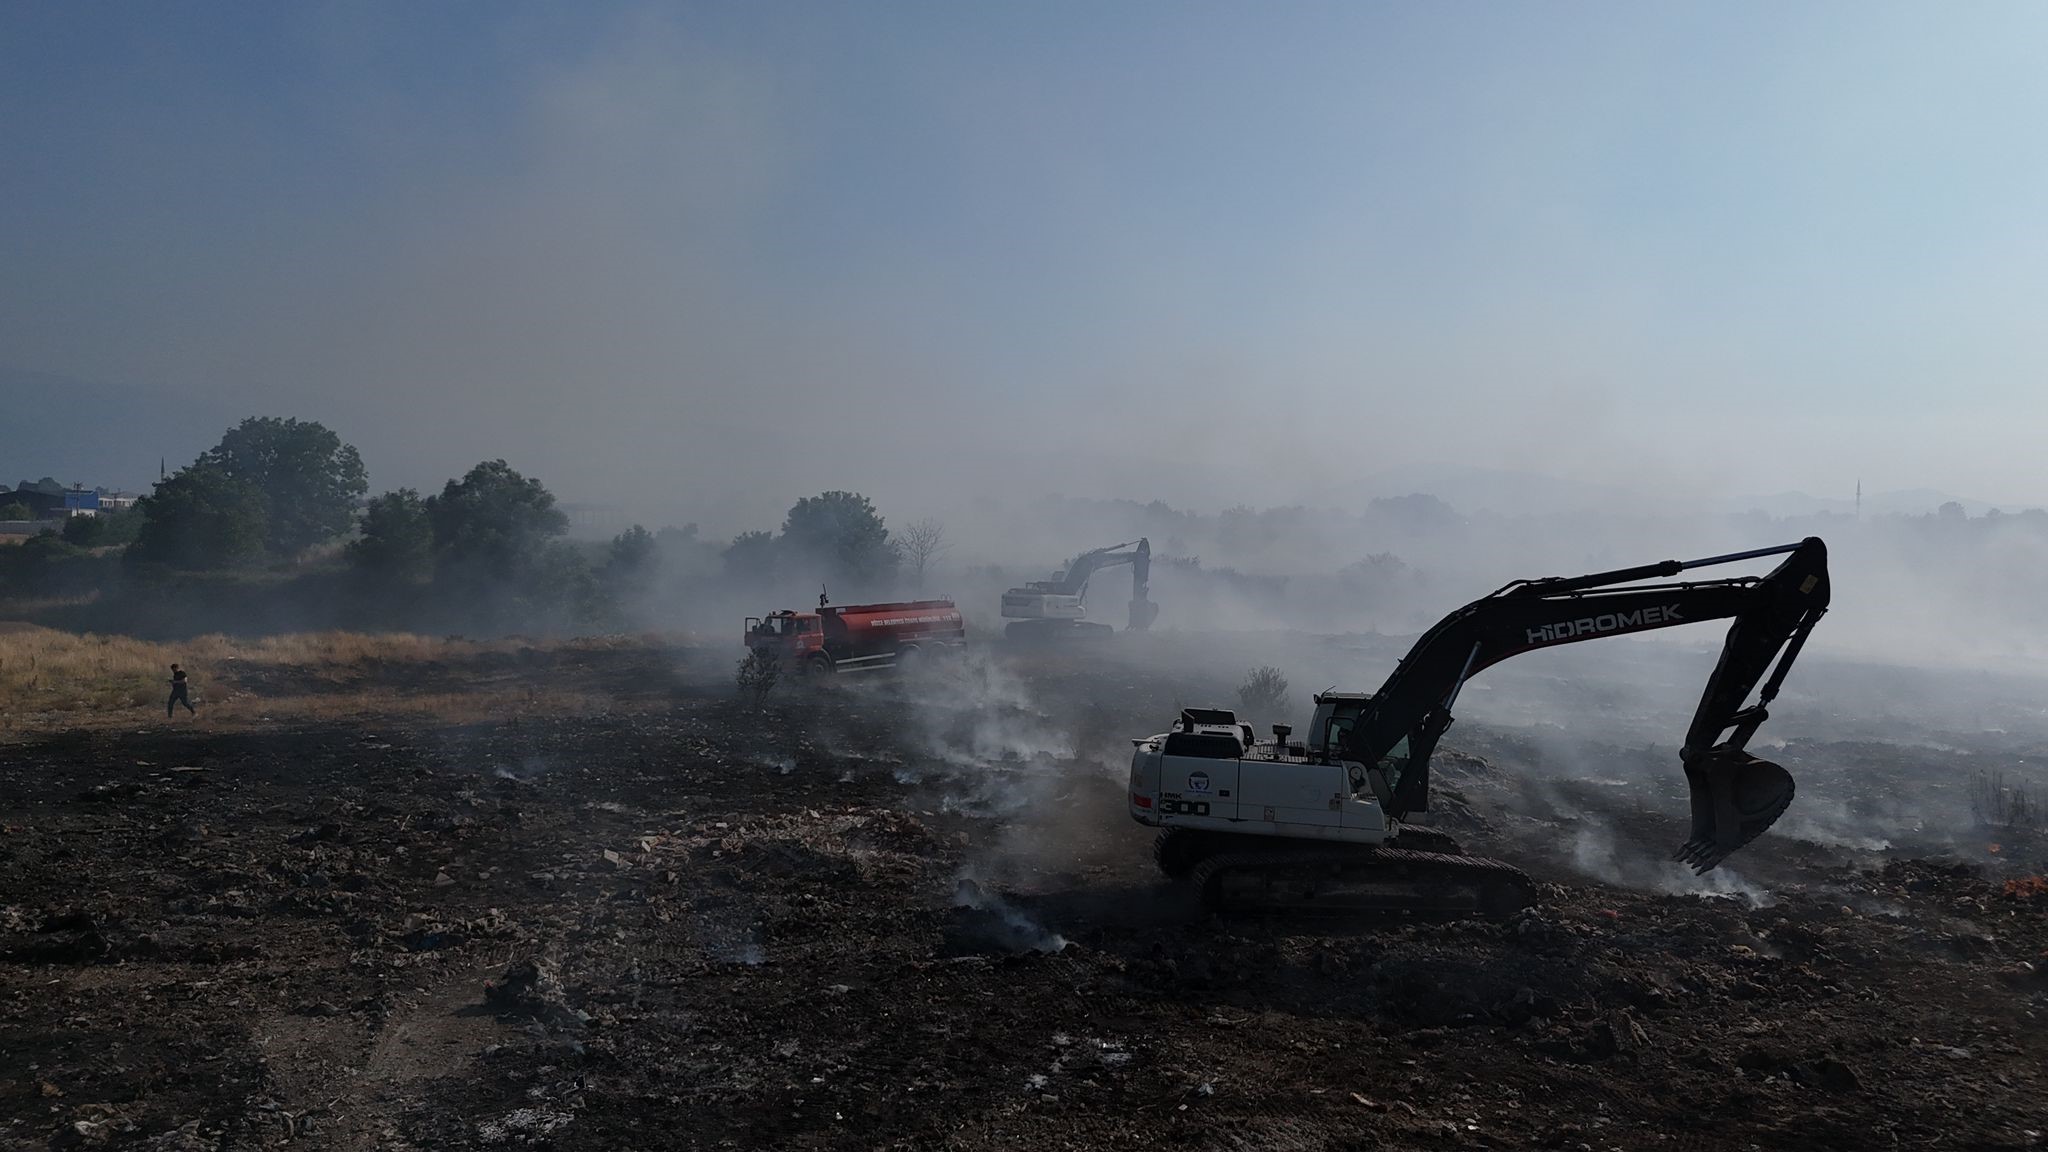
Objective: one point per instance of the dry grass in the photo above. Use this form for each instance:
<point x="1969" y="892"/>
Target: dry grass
<point x="2002" y="804"/>
<point x="45" y="671"/>
<point x="48" y="666"/>
<point x="485" y="703"/>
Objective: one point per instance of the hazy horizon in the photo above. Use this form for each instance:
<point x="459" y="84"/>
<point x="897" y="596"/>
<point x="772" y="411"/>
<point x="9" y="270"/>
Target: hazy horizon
<point x="1203" y="254"/>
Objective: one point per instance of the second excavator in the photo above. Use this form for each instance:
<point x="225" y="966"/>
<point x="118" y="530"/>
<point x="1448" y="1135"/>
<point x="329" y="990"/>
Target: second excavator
<point x="1057" y="608"/>
<point x="1323" y="823"/>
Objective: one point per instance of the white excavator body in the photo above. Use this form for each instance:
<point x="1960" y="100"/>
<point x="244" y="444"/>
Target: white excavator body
<point x="1032" y="603"/>
<point x="1209" y="774"/>
<point x="1321" y="824"/>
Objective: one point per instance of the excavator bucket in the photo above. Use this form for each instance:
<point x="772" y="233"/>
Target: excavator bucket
<point x="1143" y="613"/>
<point x="1735" y="797"/>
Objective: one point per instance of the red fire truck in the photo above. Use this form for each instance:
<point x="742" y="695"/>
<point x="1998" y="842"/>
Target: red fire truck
<point x="857" y="637"/>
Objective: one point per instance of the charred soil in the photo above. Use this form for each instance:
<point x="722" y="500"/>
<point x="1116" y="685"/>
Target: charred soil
<point x="889" y="918"/>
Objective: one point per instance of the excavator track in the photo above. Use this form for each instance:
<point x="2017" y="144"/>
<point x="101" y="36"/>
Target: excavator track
<point x="1355" y="878"/>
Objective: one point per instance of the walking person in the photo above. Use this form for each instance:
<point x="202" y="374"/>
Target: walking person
<point x="181" y="690"/>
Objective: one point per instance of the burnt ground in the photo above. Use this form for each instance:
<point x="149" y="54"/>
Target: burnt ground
<point x="912" y="917"/>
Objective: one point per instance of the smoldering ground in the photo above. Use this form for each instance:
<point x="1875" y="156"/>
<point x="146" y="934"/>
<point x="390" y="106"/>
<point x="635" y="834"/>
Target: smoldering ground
<point x="740" y="914"/>
<point x="689" y="267"/>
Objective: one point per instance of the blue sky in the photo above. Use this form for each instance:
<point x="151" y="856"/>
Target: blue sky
<point x="748" y="250"/>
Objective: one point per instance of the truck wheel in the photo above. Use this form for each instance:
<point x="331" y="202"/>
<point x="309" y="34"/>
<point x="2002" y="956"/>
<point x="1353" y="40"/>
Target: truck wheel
<point x="909" y="657"/>
<point x="818" y="665"/>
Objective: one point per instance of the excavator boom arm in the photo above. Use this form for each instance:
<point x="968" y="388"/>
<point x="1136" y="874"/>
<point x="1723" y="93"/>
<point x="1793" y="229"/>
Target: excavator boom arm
<point x="1772" y="616"/>
<point x="1089" y="563"/>
<point x="1042" y="607"/>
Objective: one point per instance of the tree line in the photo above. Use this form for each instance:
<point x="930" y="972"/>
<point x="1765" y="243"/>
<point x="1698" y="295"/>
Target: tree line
<point x="489" y="549"/>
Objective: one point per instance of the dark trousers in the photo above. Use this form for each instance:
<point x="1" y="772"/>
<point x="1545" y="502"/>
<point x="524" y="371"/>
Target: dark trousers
<point x="178" y="696"/>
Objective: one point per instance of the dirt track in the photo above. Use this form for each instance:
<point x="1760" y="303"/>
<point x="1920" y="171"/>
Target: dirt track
<point x="851" y="923"/>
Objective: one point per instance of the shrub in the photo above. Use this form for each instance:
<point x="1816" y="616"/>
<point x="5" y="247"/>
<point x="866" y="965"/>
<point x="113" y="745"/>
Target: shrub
<point x="1263" y="692"/>
<point x="758" y="674"/>
<point x="83" y="531"/>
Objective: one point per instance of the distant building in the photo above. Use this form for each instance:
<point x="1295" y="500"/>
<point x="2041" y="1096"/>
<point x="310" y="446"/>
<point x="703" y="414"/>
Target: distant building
<point x="48" y="501"/>
<point x="41" y="505"/>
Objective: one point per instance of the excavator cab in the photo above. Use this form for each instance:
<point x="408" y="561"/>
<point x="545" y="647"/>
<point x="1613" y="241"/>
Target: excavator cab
<point x="1336" y="712"/>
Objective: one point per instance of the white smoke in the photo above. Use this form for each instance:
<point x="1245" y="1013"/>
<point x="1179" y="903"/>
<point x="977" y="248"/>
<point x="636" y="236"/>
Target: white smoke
<point x="973" y="710"/>
<point x="1596" y="854"/>
<point x="1013" y="930"/>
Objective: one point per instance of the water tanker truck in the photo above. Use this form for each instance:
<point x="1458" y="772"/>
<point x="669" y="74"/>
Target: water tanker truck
<point x="857" y="637"/>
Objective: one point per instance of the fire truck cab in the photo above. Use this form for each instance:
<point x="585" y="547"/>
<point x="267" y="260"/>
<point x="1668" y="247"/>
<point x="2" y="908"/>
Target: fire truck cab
<point x="856" y="637"/>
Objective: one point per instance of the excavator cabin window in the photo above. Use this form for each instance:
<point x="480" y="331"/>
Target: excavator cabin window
<point x="1338" y="727"/>
<point x="1392" y="766"/>
<point x="1395" y="763"/>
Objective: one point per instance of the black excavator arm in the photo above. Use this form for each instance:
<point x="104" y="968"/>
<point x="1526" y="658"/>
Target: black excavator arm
<point x="1735" y="796"/>
<point x="1075" y="580"/>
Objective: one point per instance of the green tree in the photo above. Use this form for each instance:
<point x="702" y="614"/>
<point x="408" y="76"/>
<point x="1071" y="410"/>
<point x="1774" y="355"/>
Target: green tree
<point x="200" y="517"/>
<point x="30" y="568"/>
<point x="16" y="510"/>
<point x="397" y="541"/>
<point x="84" y="531"/>
<point x="310" y="479"/>
<point x="631" y="561"/>
<point x="558" y="577"/>
<point x="632" y="549"/>
<point x="494" y="519"/>
<point x="750" y="557"/>
<point x="1417" y="512"/>
<point x="842" y="532"/>
<point x="121" y="527"/>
